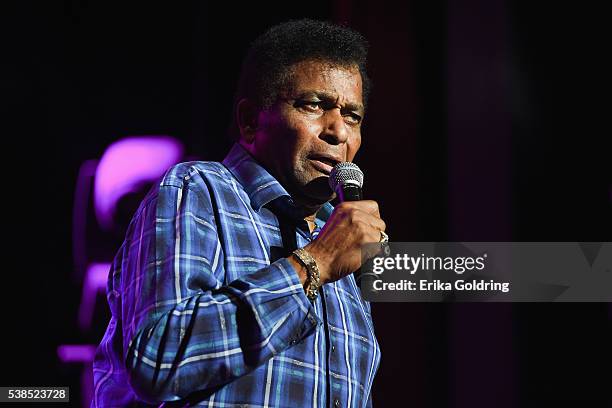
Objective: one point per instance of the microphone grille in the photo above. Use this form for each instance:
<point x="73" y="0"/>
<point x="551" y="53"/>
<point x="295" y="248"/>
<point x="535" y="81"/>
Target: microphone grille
<point x="345" y="173"/>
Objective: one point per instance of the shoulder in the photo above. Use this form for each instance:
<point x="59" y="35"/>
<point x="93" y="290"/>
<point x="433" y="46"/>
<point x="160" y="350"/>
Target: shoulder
<point x="195" y="185"/>
<point x="191" y="174"/>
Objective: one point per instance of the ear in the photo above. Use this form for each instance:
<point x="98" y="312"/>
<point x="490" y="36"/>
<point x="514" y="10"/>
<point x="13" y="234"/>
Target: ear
<point x="246" y="117"/>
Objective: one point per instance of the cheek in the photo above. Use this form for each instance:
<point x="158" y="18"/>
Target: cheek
<point x="280" y="135"/>
<point x="353" y="147"/>
<point x="304" y="133"/>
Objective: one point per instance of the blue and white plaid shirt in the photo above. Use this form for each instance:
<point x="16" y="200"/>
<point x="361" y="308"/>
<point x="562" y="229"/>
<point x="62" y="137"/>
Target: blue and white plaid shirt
<point x="204" y="315"/>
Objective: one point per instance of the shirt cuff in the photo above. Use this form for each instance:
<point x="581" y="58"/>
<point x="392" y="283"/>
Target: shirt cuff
<point x="310" y="320"/>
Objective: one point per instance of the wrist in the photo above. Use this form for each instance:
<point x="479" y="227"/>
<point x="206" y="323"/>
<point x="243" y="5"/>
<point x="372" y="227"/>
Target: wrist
<point x="312" y="283"/>
<point x="300" y="269"/>
<point x="321" y="257"/>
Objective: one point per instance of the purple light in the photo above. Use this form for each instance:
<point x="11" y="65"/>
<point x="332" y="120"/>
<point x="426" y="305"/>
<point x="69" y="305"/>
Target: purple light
<point x="79" y="215"/>
<point x="128" y="163"/>
<point x="76" y="353"/>
<point x="95" y="281"/>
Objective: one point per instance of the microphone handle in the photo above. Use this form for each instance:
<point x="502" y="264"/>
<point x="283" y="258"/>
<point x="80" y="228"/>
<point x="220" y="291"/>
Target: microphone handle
<point x="349" y="192"/>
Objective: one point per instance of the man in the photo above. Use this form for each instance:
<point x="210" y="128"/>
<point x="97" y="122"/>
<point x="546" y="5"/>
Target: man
<point x="210" y="303"/>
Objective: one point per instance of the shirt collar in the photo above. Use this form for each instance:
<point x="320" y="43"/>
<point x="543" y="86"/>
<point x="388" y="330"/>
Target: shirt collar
<point x="261" y="187"/>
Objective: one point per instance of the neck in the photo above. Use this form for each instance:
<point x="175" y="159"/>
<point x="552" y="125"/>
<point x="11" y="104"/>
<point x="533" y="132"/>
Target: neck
<point x="308" y="207"/>
<point x="309" y="211"/>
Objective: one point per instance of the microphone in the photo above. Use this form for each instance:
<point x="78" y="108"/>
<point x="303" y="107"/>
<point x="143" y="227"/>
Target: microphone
<point x="346" y="179"/>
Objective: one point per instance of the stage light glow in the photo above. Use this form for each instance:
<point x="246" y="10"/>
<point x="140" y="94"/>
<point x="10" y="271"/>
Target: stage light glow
<point x="126" y="165"/>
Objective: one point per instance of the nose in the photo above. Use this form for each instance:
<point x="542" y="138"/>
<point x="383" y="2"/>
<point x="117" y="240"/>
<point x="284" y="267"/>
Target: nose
<point x="335" y="131"/>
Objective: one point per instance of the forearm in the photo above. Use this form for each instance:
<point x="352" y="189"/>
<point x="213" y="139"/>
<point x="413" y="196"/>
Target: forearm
<point x="213" y="337"/>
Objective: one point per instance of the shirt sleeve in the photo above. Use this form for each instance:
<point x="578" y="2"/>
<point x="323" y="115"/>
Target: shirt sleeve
<point x="184" y="328"/>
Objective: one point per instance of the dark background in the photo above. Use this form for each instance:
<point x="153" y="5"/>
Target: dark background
<point x="486" y="123"/>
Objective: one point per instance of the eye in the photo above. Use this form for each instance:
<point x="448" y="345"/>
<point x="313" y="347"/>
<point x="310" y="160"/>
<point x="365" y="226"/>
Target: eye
<point x="352" y="118"/>
<point x="310" y="106"/>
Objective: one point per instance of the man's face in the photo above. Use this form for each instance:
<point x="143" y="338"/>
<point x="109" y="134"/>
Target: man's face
<point x="315" y="124"/>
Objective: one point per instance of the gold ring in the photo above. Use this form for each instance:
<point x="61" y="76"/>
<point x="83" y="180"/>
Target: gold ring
<point x="383" y="237"/>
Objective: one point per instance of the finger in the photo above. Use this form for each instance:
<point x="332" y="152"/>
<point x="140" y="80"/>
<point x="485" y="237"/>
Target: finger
<point x="377" y="223"/>
<point x="373" y="235"/>
<point x="369" y="206"/>
<point x="373" y="221"/>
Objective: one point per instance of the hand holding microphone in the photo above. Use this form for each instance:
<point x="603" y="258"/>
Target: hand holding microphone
<point x="354" y="222"/>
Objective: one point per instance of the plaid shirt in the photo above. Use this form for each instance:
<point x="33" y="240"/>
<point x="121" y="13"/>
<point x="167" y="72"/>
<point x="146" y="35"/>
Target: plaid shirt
<point x="206" y="313"/>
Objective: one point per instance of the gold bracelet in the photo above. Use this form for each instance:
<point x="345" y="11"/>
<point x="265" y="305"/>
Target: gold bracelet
<point x="313" y="277"/>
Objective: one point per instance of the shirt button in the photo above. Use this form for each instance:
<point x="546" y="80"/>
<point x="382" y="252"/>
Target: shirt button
<point x="336" y="402"/>
<point x="333" y="348"/>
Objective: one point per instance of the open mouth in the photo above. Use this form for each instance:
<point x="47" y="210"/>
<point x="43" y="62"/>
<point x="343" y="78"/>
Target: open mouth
<point x="324" y="164"/>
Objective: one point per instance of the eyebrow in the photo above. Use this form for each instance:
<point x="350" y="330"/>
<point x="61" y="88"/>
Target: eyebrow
<point x="327" y="97"/>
